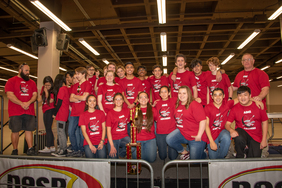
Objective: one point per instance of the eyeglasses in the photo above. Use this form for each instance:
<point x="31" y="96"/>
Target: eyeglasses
<point x="244" y="60"/>
<point x="78" y="89"/>
<point x="118" y="99"/>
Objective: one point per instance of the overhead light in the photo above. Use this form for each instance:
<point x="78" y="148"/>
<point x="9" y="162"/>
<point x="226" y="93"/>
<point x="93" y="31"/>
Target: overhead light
<point x="164" y="60"/>
<point x="163" y="41"/>
<point x="161" y="11"/>
<point x="2" y="86"/>
<point x="228" y="58"/>
<point x="61" y="68"/>
<point x="275" y="14"/>
<point x="279" y="61"/>
<point x="1" y="90"/>
<point x="279" y="86"/>
<point x="165" y="71"/>
<point x="270" y="80"/>
<point x="82" y="41"/>
<point x="105" y="61"/>
<point x="217" y="68"/>
<point x="21" y="51"/>
<point x="9" y="70"/>
<point x="266" y="67"/>
<point x="2" y="79"/>
<point x="253" y="35"/>
<point x="278" y="77"/>
<point x="46" y="11"/>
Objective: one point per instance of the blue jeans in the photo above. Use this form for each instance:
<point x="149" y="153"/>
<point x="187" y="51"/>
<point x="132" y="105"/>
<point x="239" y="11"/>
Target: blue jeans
<point x="163" y="148"/>
<point x="120" y="147"/>
<point x="148" y="150"/>
<point x="99" y="153"/>
<point x="196" y="148"/>
<point x="75" y="134"/>
<point x="223" y="142"/>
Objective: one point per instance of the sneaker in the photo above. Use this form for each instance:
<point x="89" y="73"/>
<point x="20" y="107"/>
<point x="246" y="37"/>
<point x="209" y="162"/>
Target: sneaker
<point x="185" y="156"/>
<point x="45" y="150"/>
<point x="30" y="151"/>
<point x="77" y="154"/>
<point x="69" y="149"/>
<point x="15" y="152"/>
<point x="52" y="148"/>
<point x="62" y="153"/>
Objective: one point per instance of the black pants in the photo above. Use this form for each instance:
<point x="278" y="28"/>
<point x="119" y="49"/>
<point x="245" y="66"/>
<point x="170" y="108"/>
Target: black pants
<point x="48" y="121"/>
<point x="245" y="139"/>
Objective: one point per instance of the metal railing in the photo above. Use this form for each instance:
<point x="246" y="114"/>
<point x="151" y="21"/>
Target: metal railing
<point x="113" y="162"/>
<point x="2" y="120"/>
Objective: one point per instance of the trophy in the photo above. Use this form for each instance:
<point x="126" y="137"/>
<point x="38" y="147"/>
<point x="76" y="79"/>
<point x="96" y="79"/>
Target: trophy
<point x="131" y="168"/>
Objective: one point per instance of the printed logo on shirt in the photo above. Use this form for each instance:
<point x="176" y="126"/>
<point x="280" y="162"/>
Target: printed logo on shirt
<point x="130" y="90"/>
<point x="198" y="84"/>
<point x="213" y="86"/>
<point x="109" y="96"/>
<point x="24" y="88"/>
<point x="178" y="118"/>
<point x="122" y="123"/>
<point x="248" y="121"/>
<point x="244" y="81"/>
<point x="217" y="121"/>
<point x="93" y="125"/>
<point x="157" y="85"/>
<point x="177" y="83"/>
<point x="144" y="87"/>
<point x="164" y="111"/>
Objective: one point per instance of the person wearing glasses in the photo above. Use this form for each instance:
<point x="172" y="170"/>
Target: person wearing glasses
<point x="21" y="92"/>
<point x="146" y="86"/>
<point x="92" y="77"/>
<point x="256" y="79"/>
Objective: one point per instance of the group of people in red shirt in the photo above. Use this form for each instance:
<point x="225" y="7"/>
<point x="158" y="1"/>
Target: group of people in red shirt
<point x="186" y="108"/>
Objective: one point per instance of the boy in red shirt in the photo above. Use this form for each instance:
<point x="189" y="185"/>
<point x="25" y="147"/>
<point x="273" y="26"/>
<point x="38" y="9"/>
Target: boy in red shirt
<point x="92" y="78"/>
<point x="146" y="86"/>
<point x="251" y="125"/>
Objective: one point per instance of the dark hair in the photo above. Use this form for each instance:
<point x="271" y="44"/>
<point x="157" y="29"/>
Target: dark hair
<point x="128" y="63"/>
<point x="190" y="97"/>
<point x="112" y="63"/>
<point x="195" y="62"/>
<point x="180" y="55"/>
<point x="243" y="89"/>
<point x="149" y="116"/>
<point x="86" y="100"/>
<point x="47" y="79"/>
<point x="156" y="66"/>
<point x="70" y="72"/>
<point x="164" y="87"/>
<point x="58" y="83"/>
<point x="89" y="66"/>
<point x="141" y="67"/>
<point x="218" y="89"/>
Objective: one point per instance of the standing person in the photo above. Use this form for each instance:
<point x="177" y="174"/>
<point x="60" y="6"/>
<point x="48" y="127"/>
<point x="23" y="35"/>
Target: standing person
<point x="131" y="86"/>
<point x="47" y="98"/>
<point x="256" y="79"/>
<point x="79" y="93"/>
<point x="165" y="123"/>
<point x="157" y="81"/>
<point x="21" y="92"/>
<point x="92" y="123"/>
<point x="250" y="134"/>
<point x="61" y="112"/>
<point x="146" y="129"/>
<point x="117" y="120"/>
<point x="112" y="67"/>
<point x="120" y="73"/>
<point x="146" y="86"/>
<point x="183" y="77"/>
<point x="191" y="122"/>
<point x="92" y="78"/>
<point x="107" y="91"/>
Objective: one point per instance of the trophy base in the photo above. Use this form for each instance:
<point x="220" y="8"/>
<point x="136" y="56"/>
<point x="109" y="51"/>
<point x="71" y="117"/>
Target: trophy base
<point x="132" y="168"/>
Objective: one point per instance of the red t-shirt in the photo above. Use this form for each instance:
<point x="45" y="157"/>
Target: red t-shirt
<point x="45" y="105"/>
<point x="187" y="120"/>
<point x="70" y="89"/>
<point x="146" y="87"/>
<point x="165" y="116"/>
<point x="130" y="88"/>
<point x="92" y="81"/>
<point x="23" y="90"/>
<point x="108" y="93"/>
<point x="144" y="133"/>
<point x="156" y="84"/>
<point x="217" y="118"/>
<point x="186" y="78"/>
<point x="93" y="123"/>
<point x="118" y="122"/>
<point x="255" y="79"/>
<point x="63" y="112"/>
<point x="78" y="107"/>
<point x="202" y="85"/>
<point x="248" y="118"/>
<point x="223" y="84"/>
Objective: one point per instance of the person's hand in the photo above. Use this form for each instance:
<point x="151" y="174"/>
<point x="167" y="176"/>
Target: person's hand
<point x="131" y="105"/>
<point x="155" y="102"/>
<point x="233" y="133"/>
<point x="218" y="76"/>
<point x="187" y="68"/>
<point x="198" y="100"/>
<point x="25" y="105"/>
<point x="263" y="144"/>
<point x="92" y="148"/>
<point x="45" y="90"/>
<point x="173" y="77"/>
<point x="213" y="146"/>
<point x="101" y="144"/>
<point x="259" y="104"/>
<point x="197" y="138"/>
<point x="113" y="151"/>
<point x="53" y="116"/>
<point x="257" y="98"/>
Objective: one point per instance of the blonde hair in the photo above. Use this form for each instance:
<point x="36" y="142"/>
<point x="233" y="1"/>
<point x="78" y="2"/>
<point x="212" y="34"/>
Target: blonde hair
<point x="190" y="97"/>
<point x="213" y="60"/>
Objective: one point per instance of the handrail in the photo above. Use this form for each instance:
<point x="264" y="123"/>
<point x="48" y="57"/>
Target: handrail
<point x="2" y="119"/>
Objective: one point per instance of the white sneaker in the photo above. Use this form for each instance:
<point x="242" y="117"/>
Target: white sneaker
<point x="45" y="150"/>
<point x="53" y="149"/>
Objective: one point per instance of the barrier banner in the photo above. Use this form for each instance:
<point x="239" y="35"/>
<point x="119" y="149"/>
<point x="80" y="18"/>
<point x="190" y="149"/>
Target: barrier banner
<point x="54" y="173"/>
<point x="247" y="174"/>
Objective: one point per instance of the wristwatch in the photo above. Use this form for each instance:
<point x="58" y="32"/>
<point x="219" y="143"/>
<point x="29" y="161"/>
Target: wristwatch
<point x="135" y="103"/>
<point x="230" y="98"/>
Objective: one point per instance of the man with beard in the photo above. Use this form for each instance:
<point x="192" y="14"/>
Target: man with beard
<point x="21" y="92"/>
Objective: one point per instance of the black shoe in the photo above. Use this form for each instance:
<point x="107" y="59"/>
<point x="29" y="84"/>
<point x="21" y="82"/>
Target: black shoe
<point x="61" y="153"/>
<point x="30" y="151"/>
<point x="15" y="152"/>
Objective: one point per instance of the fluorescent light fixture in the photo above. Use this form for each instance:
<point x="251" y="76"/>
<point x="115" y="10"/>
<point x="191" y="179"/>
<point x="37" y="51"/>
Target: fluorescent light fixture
<point x="1" y="90"/>
<point x="2" y="86"/>
<point x="21" y="51"/>
<point x="32" y="76"/>
<point x="2" y="79"/>
<point x="46" y="11"/>
<point x="275" y="14"/>
<point x="279" y="61"/>
<point x="14" y="72"/>
<point x="253" y="35"/>
<point x="165" y="71"/>
<point x="217" y="68"/>
<point x="163" y="41"/>
<point x="161" y="11"/>
<point x="61" y="68"/>
<point x="278" y="77"/>
<point x="279" y="86"/>
<point x="164" y="60"/>
<point x="105" y="61"/>
<point x="270" y="80"/>
<point x="266" y="67"/>
<point x="228" y="58"/>
<point x="82" y="41"/>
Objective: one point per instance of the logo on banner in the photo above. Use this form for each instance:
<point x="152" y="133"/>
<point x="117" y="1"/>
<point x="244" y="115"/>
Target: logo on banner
<point x="58" y="176"/>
